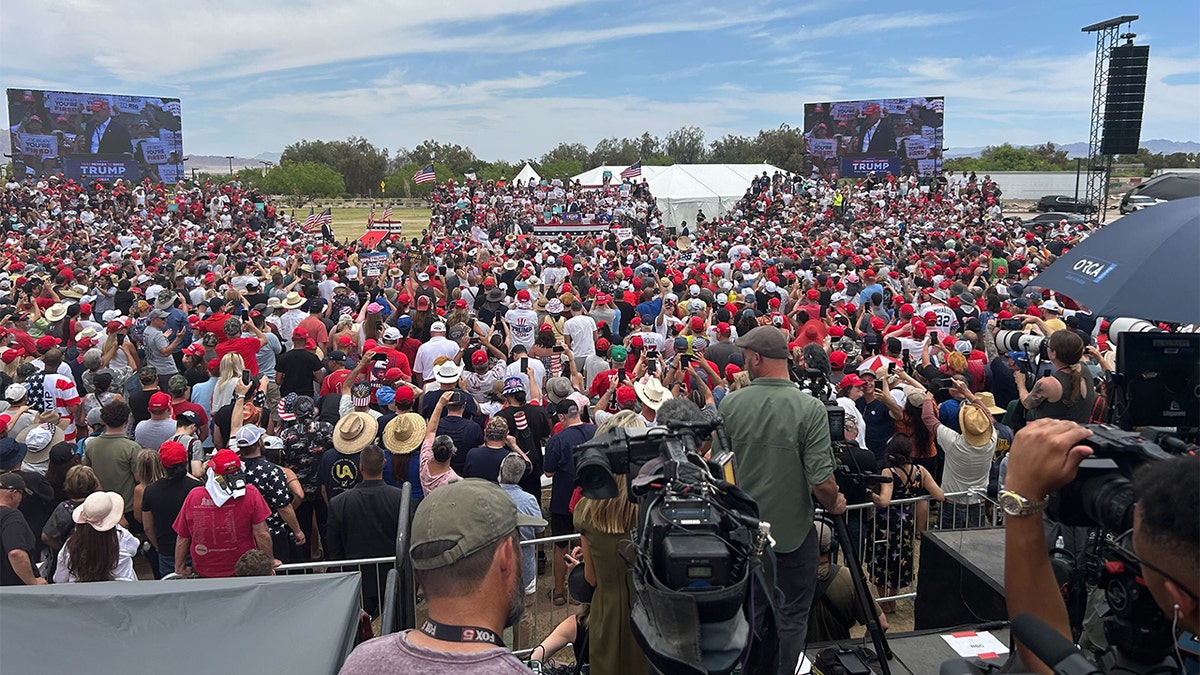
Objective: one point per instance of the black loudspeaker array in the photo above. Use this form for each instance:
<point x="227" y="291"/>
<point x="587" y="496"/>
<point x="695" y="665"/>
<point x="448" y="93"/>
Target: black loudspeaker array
<point x="1126" y="98"/>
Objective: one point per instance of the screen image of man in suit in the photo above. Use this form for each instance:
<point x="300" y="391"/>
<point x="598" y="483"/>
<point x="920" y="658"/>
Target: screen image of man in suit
<point x="106" y="136"/>
<point x="877" y="137"/>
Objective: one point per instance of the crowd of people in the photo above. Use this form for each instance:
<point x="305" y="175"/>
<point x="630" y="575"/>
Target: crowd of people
<point x="178" y="356"/>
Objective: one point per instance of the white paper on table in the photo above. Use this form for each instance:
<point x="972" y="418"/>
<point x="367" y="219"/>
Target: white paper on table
<point x="969" y="644"/>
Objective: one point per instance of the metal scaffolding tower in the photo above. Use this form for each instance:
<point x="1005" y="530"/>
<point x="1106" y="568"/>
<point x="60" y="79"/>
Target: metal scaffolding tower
<point x="1099" y="165"/>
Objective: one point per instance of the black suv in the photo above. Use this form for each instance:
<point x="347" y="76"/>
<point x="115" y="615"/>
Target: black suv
<point x="1064" y="204"/>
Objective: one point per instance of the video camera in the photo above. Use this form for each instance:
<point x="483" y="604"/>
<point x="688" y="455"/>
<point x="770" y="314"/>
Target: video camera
<point x="1101" y="495"/>
<point x="698" y="544"/>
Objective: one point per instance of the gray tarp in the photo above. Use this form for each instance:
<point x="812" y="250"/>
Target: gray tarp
<point x="291" y="624"/>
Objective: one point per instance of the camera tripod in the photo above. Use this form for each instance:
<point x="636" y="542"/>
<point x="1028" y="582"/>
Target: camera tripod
<point x="863" y="595"/>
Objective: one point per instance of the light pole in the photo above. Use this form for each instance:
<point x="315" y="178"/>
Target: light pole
<point x="230" y="158"/>
<point x="267" y="164"/>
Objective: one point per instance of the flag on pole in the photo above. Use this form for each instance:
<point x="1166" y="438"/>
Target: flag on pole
<point x="633" y="171"/>
<point x="469" y="176"/>
<point x="371" y="215"/>
<point x="311" y="221"/>
<point x="425" y="175"/>
<point x="325" y="218"/>
<point x="387" y="212"/>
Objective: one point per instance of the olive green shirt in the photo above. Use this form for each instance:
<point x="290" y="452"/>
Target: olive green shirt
<point x="780" y="438"/>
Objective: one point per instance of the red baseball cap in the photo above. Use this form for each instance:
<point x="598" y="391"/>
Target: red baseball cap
<point x="393" y="374"/>
<point x="837" y="358"/>
<point x="837" y="331"/>
<point x="405" y="393"/>
<point x="160" y="401"/>
<point x="723" y="328"/>
<point x="225" y="462"/>
<point x="625" y="395"/>
<point x="172" y="453"/>
<point x="852" y="380"/>
<point x="697" y="323"/>
<point x="479" y="357"/>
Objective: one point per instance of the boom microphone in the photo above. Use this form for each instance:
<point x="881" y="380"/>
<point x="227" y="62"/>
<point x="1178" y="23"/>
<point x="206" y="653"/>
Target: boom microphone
<point x="1053" y="649"/>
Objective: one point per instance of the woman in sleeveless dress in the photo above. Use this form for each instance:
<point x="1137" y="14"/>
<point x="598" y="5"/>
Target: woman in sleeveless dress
<point x="890" y="562"/>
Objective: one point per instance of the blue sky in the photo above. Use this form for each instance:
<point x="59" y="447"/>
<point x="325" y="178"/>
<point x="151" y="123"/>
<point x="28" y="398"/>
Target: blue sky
<point x="511" y="80"/>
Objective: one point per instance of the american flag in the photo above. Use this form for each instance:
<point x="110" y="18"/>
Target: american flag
<point x="311" y="221"/>
<point x="425" y="175"/>
<point x="387" y="212"/>
<point x="325" y="218"/>
<point x="633" y="171"/>
<point x="371" y="216"/>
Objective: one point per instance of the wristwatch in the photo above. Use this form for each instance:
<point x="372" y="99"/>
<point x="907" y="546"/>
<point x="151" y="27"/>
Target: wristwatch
<point x="1016" y="505"/>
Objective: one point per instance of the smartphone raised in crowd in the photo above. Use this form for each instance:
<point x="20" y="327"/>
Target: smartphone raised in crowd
<point x="245" y="375"/>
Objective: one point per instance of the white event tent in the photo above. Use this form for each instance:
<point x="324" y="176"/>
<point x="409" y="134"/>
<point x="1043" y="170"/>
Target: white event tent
<point x="682" y="189"/>
<point x="526" y="174"/>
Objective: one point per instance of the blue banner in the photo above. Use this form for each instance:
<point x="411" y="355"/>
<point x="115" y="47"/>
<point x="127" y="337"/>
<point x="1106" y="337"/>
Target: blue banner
<point x="860" y="167"/>
<point x="88" y="170"/>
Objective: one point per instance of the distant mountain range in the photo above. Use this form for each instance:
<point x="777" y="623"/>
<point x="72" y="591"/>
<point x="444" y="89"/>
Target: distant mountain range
<point x="1155" y="146"/>
<point x="220" y="164"/>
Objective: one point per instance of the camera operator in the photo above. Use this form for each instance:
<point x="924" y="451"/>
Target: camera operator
<point x="780" y="437"/>
<point x="1066" y="394"/>
<point x="1044" y="457"/>
<point x="852" y="458"/>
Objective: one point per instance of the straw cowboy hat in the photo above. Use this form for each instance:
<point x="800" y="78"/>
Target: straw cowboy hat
<point x="293" y="300"/>
<point x="987" y="400"/>
<point x="652" y="393"/>
<point x="975" y="423"/>
<point x="56" y="312"/>
<point x="404" y="433"/>
<point x="354" y="432"/>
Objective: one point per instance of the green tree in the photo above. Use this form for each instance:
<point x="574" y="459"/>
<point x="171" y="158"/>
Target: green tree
<point x="401" y="184"/>
<point x="734" y="150"/>
<point x="361" y="165"/>
<point x="649" y="146"/>
<point x="301" y="182"/>
<point x="568" y="152"/>
<point x="456" y="157"/>
<point x="615" y="152"/>
<point x="1053" y="156"/>
<point x="686" y="145"/>
<point x="498" y="170"/>
<point x="783" y="147"/>
<point x="561" y="167"/>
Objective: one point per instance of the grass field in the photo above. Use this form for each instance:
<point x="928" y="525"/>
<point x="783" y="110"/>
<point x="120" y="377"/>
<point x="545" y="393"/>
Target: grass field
<point x="351" y="222"/>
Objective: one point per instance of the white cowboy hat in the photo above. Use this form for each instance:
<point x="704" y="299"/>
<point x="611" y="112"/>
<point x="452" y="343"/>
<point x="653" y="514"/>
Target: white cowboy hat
<point x="652" y="393"/>
<point x="293" y="300"/>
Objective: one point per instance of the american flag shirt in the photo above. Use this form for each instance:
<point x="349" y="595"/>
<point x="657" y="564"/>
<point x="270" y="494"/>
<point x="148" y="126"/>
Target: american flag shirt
<point x="272" y="483"/>
<point x="51" y="391"/>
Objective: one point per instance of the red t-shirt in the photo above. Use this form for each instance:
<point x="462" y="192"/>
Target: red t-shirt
<point x="215" y="324"/>
<point x="180" y="406"/>
<point x="316" y="330"/>
<point x="396" y="359"/>
<point x="220" y="535"/>
<point x="332" y="383"/>
<point x="246" y="346"/>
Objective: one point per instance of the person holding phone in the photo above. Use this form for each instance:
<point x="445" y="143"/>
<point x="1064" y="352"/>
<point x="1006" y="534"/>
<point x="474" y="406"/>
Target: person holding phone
<point x="160" y="342"/>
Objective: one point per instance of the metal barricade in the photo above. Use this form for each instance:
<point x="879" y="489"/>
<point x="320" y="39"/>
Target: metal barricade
<point x="889" y="540"/>
<point x="888" y="536"/>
